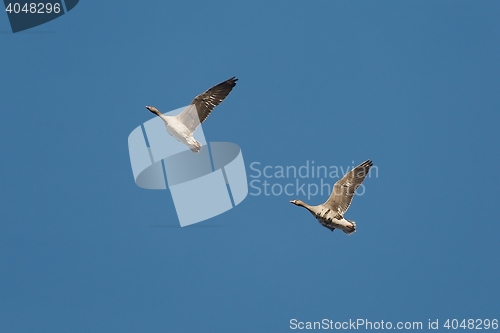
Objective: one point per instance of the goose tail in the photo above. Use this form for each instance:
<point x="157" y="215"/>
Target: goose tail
<point x="353" y="230"/>
<point x="194" y="145"/>
<point x="195" y="149"/>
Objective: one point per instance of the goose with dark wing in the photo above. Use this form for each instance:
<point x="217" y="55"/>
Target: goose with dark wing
<point x="331" y="213"/>
<point x="184" y="124"/>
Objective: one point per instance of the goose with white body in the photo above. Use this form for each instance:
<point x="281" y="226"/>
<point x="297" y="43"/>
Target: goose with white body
<point x="183" y="125"/>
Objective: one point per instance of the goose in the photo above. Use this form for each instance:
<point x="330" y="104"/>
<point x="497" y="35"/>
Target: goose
<point x="185" y="123"/>
<point x="331" y="213"/>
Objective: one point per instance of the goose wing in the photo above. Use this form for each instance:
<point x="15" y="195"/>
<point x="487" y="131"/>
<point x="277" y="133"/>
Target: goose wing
<point x="203" y="104"/>
<point x="344" y="188"/>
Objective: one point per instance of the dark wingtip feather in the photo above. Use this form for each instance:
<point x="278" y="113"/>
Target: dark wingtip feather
<point x="229" y="82"/>
<point x="232" y="81"/>
<point x="368" y="163"/>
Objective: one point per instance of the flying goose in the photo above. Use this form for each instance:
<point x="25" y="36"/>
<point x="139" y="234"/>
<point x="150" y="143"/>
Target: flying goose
<point x="184" y="124"/>
<point x="331" y="213"/>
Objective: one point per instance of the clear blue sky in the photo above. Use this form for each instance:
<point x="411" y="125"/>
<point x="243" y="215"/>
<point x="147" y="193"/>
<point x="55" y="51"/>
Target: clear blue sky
<point x="412" y="85"/>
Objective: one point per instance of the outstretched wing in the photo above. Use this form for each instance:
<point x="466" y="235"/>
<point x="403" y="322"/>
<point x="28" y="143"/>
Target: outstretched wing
<point x="343" y="190"/>
<point x="203" y="104"/>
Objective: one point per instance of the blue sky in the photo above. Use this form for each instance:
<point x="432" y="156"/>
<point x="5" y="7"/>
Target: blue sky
<point x="411" y="85"/>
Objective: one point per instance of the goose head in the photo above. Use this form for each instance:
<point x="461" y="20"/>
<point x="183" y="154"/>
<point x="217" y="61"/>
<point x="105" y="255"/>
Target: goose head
<point x="153" y="110"/>
<point x="298" y="202"/>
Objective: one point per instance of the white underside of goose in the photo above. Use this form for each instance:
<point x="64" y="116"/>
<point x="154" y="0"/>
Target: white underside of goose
<point x="180" y="131"/>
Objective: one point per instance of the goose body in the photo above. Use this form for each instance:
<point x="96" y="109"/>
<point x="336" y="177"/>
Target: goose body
<point x="181" y="132"/>
<point x="183" y="125"/>
<point x="331" y="213"/>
